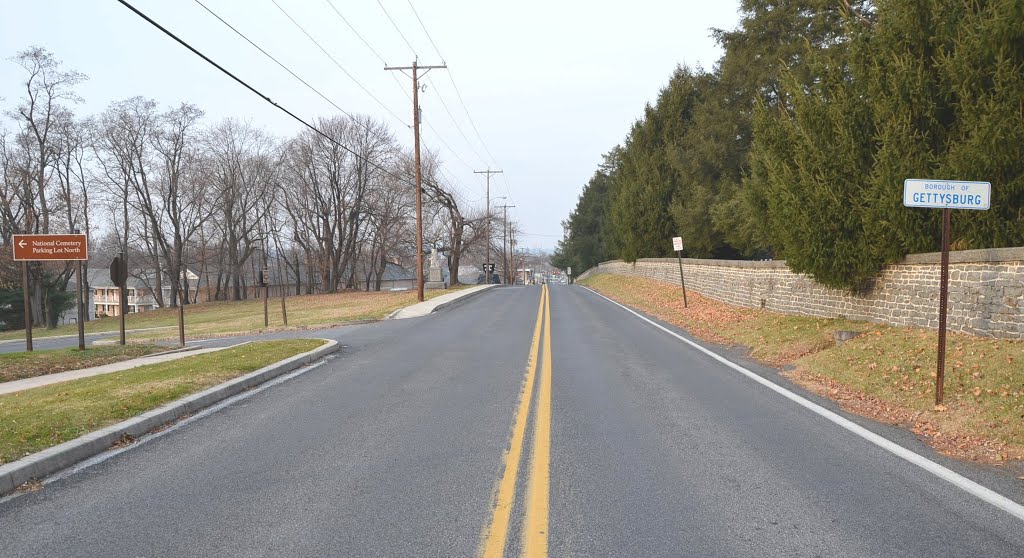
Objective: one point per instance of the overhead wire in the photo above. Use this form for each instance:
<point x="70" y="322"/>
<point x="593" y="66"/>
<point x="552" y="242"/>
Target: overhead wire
<point x="353" y="29"/>
<point x="465" y="108"/>
<point x="445" y="143"/>
<point x="429" y="38"/>
<point x="395" y="25"/>
<point x="376" y="53"/>
<point x="338" y="64"/>
<point x="270" y="56"/>
<point x="352" y="117"/>
<point x="457" y="127"/>
<point x="259" y="94"/>
<point x="368" y="46"/>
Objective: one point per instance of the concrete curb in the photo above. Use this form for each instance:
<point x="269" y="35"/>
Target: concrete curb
<point x="51" y="460"/>
<point x="461" y="298"/>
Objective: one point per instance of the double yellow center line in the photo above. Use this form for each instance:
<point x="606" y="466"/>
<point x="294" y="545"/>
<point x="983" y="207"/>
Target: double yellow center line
<point x="535" y="524"/>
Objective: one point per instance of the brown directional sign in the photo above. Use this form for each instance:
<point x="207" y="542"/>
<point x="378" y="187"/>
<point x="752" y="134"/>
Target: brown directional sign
<point x="32" y="247"/>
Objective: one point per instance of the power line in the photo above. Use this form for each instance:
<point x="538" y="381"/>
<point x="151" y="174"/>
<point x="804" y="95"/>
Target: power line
<point x="429" y="38"/>
<point x="457" y="127"/>
<point x="258" y="93"/>
<point x="458" y="94"/>
<point x="395" y="25"/>
<point x="352" y="118"/>
<point x="367" y="44"/>
<point x="471" y="122"/>
<point x="336" y="63"/>
<point x="450" y="150"/>
<point x="278" y="62"/>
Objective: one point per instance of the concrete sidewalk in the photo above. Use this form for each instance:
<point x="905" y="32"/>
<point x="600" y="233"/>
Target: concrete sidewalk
<point x="48" y="379"/>
<point x="434" y="304"/>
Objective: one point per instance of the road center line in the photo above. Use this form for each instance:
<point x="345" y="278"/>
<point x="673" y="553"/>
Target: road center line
<point x="981" y="492"/>
<point x="497" y="531"/>
<point x="535" y="529"/>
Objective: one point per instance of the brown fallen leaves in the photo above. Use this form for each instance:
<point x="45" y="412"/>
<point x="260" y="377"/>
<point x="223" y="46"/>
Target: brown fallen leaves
<point x="945" y="436"/>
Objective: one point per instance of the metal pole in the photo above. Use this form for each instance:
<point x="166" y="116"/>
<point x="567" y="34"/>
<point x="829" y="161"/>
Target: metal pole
<point x="181" y="319"/>
<point x="940" y="368"/>
<point x="27" y="301"/>
<point x="123" y="293"/>
<point x="179" y="280"/>
<point x="284" y="286"/>
<point x="679" y="255"/>
<point x="81" y="308"/>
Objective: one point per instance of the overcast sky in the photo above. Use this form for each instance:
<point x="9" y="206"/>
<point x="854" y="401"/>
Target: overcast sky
<point x="550" y="85"/>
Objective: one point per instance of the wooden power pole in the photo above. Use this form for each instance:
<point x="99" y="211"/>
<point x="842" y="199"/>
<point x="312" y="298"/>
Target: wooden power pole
<point x="504" y="242"/>
<point x="488" y="172"/>
<point x="415" y="68"/>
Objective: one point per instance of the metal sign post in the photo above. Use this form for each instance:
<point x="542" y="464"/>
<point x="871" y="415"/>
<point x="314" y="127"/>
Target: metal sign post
<point x="27" y="303"/>
<point x="45" y="247"/>
<point x="119" y="277"/>
<point x="81" y="307"/>
<point x="677" y="245"/>
<point x="265" y="283"/>
<point x="945" y="195"/>
<point x="181" y="311"/>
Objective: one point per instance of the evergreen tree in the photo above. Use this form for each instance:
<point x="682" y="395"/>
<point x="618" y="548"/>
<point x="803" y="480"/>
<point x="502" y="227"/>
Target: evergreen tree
<point x="585" y="242"/>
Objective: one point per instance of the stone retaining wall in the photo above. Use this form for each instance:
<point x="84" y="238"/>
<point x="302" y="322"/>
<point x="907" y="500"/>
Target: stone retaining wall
<point x="986" y="289"/>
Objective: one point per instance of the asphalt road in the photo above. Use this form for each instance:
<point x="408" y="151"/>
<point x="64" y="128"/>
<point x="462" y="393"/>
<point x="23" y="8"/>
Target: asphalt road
<point x="415" y="442"/>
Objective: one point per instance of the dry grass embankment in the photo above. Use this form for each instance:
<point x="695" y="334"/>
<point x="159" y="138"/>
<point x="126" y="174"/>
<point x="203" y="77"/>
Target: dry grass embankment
<point x="887" y="373"/>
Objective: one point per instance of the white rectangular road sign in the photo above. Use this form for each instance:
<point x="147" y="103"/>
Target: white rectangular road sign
<point x="947" y="194"/>
<point x="677" y="243"/>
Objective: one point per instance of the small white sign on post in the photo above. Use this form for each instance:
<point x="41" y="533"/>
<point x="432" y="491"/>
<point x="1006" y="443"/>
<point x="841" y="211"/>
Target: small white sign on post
<point x="677" y="243"/>
<point x="568" y="270"/>
<point x="947" y="194"/>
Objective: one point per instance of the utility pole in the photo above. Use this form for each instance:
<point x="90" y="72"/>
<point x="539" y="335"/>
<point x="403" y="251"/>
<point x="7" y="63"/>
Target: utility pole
<point x="504" y="242"/>
<point x="488" y="172"/>
<point x="416" y="139"/>
<point x="512" y="253"/>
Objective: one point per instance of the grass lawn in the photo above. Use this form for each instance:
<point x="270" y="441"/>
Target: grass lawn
<point x="39" y="418"/>
<point x="15" y="366"/>
<point x="887" y="373"/>
<point x="221" y="318"/>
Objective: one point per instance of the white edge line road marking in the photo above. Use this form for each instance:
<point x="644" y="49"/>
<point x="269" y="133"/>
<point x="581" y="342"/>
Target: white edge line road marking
<point x="180" y="423"/>
<point x="948" y="475"/>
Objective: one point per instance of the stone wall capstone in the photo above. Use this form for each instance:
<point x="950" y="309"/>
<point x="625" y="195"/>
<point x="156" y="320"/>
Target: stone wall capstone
<point x="986" y="289"/>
